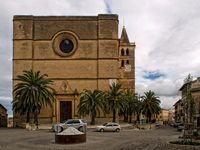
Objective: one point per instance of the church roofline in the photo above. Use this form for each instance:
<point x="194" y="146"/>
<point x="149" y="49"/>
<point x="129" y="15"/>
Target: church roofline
<point x="3" y="107"/>
<point x="95" y="18"/>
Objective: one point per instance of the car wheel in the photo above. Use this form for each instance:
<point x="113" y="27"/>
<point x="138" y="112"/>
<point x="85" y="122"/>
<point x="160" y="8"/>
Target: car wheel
<point x="80" y="129"/>
<point x="101" y="130"/>
<point x="117" y="130"/>
<point x="59" y="129"/>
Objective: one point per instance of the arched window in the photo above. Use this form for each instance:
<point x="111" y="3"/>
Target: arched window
<point x="122" y="52"/>
<point x="127" y="52"/>
<point x="122" y="63"/>
<point x="127" y="62"/>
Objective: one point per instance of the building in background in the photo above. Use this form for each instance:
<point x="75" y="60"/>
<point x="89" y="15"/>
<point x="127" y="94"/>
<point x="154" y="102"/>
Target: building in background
<point x="77" y="52"/>
<point x="165" y="117"/>
<point x="179" y="112"/>
<point x="194" y="89"/>
<point x="10" y="122"/>
<point x="3" y="116"/>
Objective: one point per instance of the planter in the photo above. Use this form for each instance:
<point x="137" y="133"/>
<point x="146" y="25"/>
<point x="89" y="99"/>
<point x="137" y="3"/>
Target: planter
<point x="70" y="139"/>
<point x="70" y="136"/>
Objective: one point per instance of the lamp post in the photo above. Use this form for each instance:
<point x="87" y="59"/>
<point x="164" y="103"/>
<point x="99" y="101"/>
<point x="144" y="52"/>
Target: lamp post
<point x="141" y="117"/>
<point x="75" y="98"/>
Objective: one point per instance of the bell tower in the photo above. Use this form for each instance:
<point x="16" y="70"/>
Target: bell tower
<point x="126" y="62"/>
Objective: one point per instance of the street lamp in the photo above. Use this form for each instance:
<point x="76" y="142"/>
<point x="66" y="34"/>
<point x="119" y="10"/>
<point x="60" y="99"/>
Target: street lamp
<point x="75" y="98"/>
<point x="141" y="117"/>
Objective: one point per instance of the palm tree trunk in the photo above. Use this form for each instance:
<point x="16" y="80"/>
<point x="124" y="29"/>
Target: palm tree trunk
<point x="147" y="120"/>
<point x="28" y="117"/>
<point x="114" y="111"/>
<point x="124" y="114"/>
<point x="130" y="118"/>
<point x="92" y="120"/>
<point x="125" y="117"/>
<point x="114" y="115"/>
<point x="150" y="118"/>
<point x="138" y="117"/>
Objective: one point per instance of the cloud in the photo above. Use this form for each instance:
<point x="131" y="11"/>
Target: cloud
<point x="166" y="100"/>
<point x="108" y="8"/>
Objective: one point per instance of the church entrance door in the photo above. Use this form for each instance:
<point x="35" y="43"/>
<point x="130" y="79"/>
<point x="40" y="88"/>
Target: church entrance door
<point x="65" y="110"/>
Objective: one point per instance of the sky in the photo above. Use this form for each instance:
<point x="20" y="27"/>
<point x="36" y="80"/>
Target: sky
<point x="166" y="33"/>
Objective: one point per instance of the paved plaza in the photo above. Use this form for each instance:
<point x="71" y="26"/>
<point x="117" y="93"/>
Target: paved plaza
<point x="127" y="139"/>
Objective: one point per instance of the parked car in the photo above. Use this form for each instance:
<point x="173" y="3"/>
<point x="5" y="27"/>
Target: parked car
<point x="158" y="124"/>
<point x="79" y="124"/>
<point x="176" y="124"/>
<point x="180" y="127"/>
<point x="110" y="126"/>
<point x="172" y="124"/>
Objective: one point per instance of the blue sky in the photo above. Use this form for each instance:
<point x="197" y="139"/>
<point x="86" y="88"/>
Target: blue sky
<point x="166" y="33"/>
<point x="153" y="75"/>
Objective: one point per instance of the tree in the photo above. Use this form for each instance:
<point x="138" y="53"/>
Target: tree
<point x="91" y="103"/>
<point x="189" y="103"/>
<point x="115" y="101"/>
<point x="132" y="104"/>
<point x="31" y="93"/>
<point x="124" y="109"/>
<point x="188" y="79"/>
<point x="189" y="107"/>
<point x="151" y="105"/>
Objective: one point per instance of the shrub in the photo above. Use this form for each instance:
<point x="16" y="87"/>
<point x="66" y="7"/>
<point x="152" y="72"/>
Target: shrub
<point x="185" y="142"/>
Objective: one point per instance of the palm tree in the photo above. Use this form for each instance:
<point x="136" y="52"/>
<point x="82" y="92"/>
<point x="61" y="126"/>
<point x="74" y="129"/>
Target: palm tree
<point x="132" y="104"/>
<point x="31" y="93"/>
<point x="91" y="103"/>
<point x="115" y="101"/>
<point x="124" y="110"/>
<point x="151" y="104"/>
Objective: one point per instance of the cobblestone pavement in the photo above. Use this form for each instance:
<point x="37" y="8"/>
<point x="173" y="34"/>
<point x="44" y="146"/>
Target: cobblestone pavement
<point x="127" y="139"/>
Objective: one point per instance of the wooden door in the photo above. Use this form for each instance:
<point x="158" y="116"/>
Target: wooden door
<point x="65" y="110"/>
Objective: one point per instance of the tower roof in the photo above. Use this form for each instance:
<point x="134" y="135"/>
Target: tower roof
<point x="124" y="36"/>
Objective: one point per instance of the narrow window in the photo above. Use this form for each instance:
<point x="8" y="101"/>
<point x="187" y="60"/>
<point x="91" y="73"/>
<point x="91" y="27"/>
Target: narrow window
<point x="127" y="52"/>
<point x="127" y="62"/>
<point x="122" y="63"/>
<point x="122" y="52"/>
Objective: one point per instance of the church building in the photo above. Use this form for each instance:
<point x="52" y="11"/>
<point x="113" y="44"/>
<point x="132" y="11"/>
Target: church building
<point x="77" y="53"/>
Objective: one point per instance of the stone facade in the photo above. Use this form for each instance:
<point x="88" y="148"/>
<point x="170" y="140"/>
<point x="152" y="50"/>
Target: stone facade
<point x="165" y="116"/>
<point x="3" y="116"/>
<point x="179" y="112"/>
<point x="77" y="52"/>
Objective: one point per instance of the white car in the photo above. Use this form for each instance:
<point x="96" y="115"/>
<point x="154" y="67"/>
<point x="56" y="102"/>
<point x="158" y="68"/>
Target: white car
<point x="110" y="126"/>
<point x="79" y="124"/>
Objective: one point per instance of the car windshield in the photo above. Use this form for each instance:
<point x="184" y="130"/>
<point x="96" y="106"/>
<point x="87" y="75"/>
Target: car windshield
<point x="63" y="121"/>
<point x="115" y="124"/>
<point x="66" y="121"/>
<point x="105" y="124"/>
<point x="83" y="121"/>
<point x="70" y="121"/>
